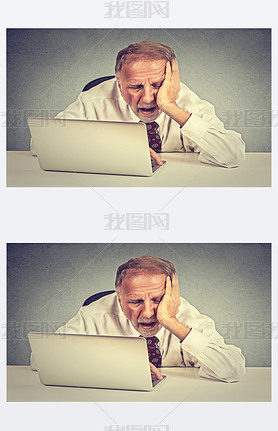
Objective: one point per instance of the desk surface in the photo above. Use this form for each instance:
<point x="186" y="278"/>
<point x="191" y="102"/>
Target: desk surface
<point x="181" y="170"/>
<point x="181" y="385"/>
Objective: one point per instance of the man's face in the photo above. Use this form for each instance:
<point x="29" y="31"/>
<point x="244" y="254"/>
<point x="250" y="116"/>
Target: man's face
<point x="139" y="298"/>
<point x="139" y="83"/>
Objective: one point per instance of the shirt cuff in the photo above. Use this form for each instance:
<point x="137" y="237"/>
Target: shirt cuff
<point x="195" y="127"/>
<point x="195" y="342"/>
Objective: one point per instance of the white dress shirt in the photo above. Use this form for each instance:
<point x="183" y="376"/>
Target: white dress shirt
<point x="203" y="132"/>
<point x="203" y="347"/>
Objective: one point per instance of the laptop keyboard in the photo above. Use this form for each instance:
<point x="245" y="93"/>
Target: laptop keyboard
<point x="155" y="166"/>
<point x="156" y="381"/>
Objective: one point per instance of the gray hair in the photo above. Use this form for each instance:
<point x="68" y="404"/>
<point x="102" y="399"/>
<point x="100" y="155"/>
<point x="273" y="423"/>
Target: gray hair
<point x="145" y="265"/>
<point x="146" y="49"/>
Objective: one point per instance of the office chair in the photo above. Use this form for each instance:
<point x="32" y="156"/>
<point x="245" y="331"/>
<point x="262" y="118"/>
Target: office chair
<point x="96" y="82"/>
<point x="97" y="296"/>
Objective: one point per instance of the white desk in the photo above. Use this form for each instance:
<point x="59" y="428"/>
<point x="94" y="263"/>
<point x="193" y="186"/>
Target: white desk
<point x="181" y="170"/>
<point x="181" y="385"/>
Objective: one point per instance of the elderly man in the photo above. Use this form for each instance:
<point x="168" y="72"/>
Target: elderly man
<point x="147" y="303"/>
<point x="147" y="88"/>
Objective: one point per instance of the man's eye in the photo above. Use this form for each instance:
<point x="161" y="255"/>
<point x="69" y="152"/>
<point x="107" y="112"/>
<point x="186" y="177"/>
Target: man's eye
<point x="136" y="88"/>
<point x="156" y="300"/>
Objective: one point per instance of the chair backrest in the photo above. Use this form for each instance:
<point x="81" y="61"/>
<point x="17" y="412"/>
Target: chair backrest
<point x="97" y="296"/>
<point x="97" y="81"/>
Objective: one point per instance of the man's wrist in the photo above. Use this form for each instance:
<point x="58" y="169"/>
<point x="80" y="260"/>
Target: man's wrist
<point x="173" y="325"/>
<point x="175" y="112"/>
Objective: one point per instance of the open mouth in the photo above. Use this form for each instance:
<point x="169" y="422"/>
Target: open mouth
<point x="148" y="325"/>
<point x="147" y="111"/>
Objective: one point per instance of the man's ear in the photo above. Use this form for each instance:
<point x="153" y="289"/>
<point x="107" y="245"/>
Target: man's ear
<point x="119" y="299"/>
<point x="119" y="85"/>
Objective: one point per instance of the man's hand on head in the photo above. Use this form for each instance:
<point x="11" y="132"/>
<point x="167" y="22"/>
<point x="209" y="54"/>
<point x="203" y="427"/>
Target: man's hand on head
<point x="169" y="90"/>
<point x="169" y="307"/>
<point x="168" y="94"/>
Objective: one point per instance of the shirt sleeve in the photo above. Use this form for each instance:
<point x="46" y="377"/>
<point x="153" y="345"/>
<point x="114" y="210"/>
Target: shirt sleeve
<point x="207" y="350"/>
<point x="76" y="325"/>
<point x="205" y="133"/>
<point x="75" y="110"/>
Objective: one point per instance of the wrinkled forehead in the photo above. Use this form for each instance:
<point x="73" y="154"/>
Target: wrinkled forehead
<point x="143" y="68"/>
<point x="139" y="283"/>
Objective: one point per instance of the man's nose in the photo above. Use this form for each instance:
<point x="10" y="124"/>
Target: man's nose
<point x="148" y="309"/>
<point x="148" y="94"/>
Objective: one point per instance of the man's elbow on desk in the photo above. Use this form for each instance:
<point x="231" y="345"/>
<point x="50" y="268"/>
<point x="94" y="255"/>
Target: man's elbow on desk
<point x="233" y="159"/>
<point x="235" y="155"/>
<point x="236" y="374"/>
<point x="229" y="373"/>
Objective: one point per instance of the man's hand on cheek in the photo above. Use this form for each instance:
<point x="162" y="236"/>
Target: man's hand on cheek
<point x="168" y="94"/>
<point x="169" y="306"/>
<point x="169" y="90"/>
<point x="168" y="309"/>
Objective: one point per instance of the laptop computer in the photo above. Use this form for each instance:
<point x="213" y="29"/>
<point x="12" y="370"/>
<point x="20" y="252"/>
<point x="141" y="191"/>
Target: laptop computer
<point x="91" y="146"/>
<point x="92" y="361"/>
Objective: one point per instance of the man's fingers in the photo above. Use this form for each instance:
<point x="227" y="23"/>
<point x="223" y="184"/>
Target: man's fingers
<point x="175" y="286"/>
<point x="168" y="285"/>
<point x="155" y="157"/>
<point x="175" y="66"/>
<point x="155" y="372"/>
<point x="175" y="281"/>
<point x="176" y="73"/>
<point x="168" y="71"/>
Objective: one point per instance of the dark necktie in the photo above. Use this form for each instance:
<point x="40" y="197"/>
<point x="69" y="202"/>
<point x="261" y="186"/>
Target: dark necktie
<point x="153" y="136"/>
<point x="153" y="351"/>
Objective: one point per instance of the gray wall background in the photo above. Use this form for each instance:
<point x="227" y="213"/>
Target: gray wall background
<point x="231" y="68"/>
<point x="231" y="283"/>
